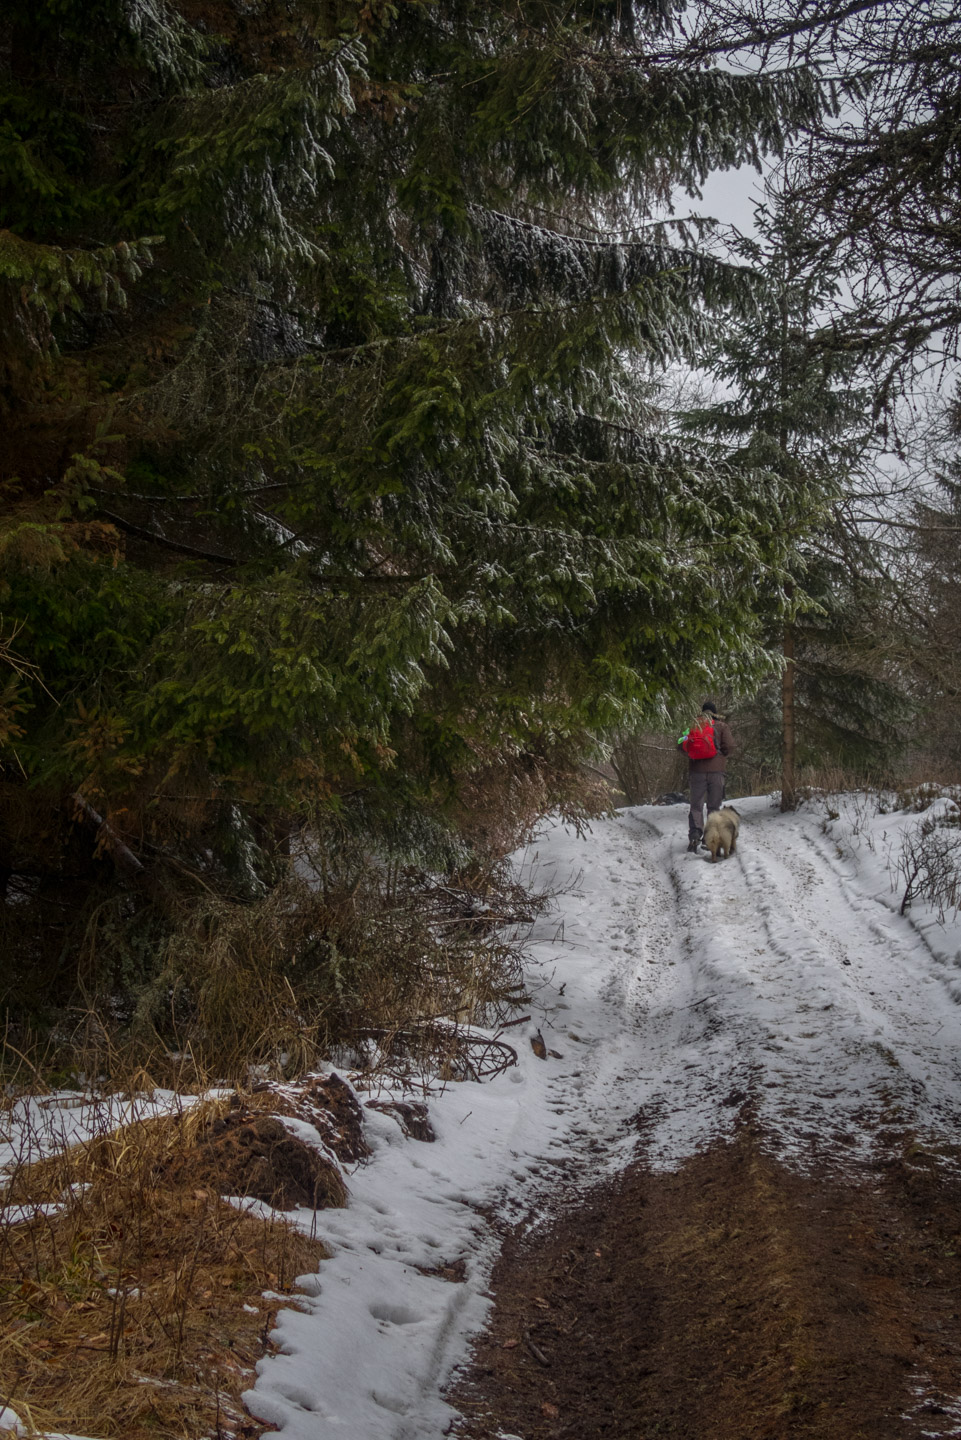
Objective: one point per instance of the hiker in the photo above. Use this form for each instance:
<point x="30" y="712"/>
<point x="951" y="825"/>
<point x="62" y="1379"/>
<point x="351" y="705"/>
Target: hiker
<point x="705" y="770"/>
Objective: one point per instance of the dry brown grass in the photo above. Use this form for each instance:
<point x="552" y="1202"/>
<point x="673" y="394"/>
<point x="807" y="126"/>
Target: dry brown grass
<point x="122" y="1308"/>
<point x="812" y="782"/>
<point x="314" y="969"/>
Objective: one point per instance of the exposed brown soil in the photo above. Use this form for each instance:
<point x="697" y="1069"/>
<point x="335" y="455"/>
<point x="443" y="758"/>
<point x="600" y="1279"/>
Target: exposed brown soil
<point x="257" y="1157"/>
<point x="733" y="1299"/>
<point x="325" y="1101"/>
<point x="251" y="1153"/>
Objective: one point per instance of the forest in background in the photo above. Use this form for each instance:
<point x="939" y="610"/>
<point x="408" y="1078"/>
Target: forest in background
<point x="351" y="509"/>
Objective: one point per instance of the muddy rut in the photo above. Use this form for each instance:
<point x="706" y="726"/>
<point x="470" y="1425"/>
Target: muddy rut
<point x="733" y="1298"/>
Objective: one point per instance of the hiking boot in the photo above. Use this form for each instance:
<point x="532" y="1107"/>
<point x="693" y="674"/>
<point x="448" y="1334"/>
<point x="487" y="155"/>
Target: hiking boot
<point x="694" y="840"/>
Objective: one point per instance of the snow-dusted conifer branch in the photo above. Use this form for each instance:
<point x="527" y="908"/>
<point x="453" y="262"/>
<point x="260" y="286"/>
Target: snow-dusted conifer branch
<point x="483" y="541"/>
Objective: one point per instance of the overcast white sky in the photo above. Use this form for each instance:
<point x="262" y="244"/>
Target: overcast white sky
<point x="729" y="196"/>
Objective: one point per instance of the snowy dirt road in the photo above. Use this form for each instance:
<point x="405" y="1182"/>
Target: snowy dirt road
<point x="728" y="1206"/>
<point x="784" y="978"/>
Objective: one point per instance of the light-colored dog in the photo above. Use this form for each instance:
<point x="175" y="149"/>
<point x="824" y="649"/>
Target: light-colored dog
<point x="720" y="832"/>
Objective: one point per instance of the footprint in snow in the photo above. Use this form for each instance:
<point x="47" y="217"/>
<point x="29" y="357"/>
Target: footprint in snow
<point x="394" y="1314"/>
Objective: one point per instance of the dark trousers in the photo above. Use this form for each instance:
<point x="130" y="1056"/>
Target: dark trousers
<point x="707" y="786"/>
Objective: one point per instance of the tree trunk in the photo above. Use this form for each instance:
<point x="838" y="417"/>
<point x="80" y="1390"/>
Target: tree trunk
<point x="788" y="737"/>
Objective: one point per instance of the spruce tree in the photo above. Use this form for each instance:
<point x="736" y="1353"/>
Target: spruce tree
<point x="881" y="183"/>
<point x="798" y="406"/>
<point x="931" y="612"/>
<point x="330" y="477"/>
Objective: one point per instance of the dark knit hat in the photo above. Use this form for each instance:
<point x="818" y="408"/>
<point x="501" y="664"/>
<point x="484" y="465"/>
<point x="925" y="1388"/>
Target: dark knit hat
<point x="708" y="707"/>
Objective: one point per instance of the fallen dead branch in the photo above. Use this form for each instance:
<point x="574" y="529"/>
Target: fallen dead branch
<point x="107" y="837"/>
<point x="538" y="1354"/>
<point x="451" y="1053"/>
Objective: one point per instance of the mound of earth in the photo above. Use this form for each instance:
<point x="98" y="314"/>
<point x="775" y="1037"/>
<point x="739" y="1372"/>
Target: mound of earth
<point x="329" y="1104"/>
<point x="254" y="1155"/>
<point x="411" y="1115"/>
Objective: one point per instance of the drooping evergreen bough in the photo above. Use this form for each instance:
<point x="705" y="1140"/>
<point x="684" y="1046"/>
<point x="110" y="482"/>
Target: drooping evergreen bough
<point x="880" y="181"/>
<point x="932" y="606"/>
<point x="331" y="470"/>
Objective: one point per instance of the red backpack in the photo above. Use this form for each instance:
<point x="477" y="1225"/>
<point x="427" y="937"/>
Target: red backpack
<point x="698" y="743"/>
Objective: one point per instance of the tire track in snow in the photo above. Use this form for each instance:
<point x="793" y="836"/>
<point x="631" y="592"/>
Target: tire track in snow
<point x="773" y="991"/>
<point x="825" y="1005"/>
<point x="689" y="1055"/>
<point x="891" y="983"/>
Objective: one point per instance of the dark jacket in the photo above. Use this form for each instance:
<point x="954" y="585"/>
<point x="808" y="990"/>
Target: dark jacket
<point x="724" y="741"/>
